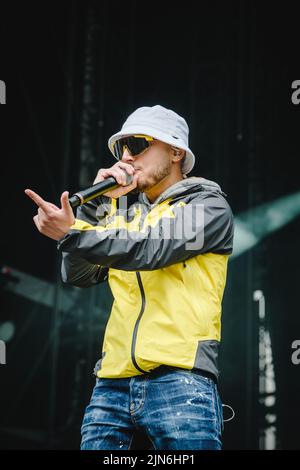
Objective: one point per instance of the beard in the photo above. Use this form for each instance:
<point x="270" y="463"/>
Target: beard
<point x="160" y="172"/>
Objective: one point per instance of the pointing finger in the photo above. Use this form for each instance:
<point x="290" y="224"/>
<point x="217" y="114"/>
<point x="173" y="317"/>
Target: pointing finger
<point x="38" y="200"/>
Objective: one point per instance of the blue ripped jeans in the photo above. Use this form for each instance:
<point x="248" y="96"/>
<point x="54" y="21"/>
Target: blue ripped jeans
<point x="176" y="408"/>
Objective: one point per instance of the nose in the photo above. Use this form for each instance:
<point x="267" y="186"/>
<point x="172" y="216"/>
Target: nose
<point x="126" y="157"/>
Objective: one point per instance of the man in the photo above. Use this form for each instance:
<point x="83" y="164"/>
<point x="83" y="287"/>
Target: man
<point x="165" y="258"/>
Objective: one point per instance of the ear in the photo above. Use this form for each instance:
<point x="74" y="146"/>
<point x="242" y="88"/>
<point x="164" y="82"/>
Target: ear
<point x="178" y="153"/>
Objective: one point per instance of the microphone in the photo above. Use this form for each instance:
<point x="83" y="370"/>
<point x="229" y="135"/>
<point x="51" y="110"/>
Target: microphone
<point x="87" y="194"/>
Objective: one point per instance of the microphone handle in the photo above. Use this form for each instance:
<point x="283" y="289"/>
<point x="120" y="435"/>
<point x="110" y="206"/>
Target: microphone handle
<point x="94" y="191"/>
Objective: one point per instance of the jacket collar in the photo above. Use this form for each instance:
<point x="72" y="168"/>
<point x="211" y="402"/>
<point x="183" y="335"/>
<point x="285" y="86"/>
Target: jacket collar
<point x="181" y="187"/>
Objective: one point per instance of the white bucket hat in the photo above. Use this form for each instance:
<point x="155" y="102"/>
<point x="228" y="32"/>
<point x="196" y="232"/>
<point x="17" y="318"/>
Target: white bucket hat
<point x="162" y="124"/>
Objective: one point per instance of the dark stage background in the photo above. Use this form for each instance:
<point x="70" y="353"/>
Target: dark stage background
<point x="73" y="72"/>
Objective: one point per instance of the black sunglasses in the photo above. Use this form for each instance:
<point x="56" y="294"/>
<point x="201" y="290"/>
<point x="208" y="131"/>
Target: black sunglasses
<point x="135" y="144"/>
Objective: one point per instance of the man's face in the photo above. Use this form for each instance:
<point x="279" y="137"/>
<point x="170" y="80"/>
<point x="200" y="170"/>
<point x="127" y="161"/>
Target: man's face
<point x="152" y="166"/>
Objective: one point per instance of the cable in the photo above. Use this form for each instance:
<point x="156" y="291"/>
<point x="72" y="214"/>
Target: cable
<point x="231" y="417"/>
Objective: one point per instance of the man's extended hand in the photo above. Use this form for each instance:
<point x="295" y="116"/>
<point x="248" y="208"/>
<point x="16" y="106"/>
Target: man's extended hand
<point x="50" y="219"/>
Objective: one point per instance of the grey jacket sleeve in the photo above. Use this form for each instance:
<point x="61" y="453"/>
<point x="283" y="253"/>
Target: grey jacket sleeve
<point x="80" y="273"/>
<point x="76" y="270"/>
<point x="204" y="224"/>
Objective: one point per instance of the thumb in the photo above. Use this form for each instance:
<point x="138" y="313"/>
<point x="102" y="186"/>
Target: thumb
<point x="65" y="205"/>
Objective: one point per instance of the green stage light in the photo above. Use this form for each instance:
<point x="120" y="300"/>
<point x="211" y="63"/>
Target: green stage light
<point x="254" y="225"/>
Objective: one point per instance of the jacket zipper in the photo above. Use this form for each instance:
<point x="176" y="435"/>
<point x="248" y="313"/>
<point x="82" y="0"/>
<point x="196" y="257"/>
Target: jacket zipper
<point x="137" y="323"/>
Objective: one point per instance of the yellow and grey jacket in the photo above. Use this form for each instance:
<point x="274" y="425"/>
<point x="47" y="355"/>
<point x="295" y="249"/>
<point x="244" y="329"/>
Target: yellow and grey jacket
<point x="166" y="264"/>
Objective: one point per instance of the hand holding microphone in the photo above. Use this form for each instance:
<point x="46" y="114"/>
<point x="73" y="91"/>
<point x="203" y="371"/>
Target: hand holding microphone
<point x="114" y="182"/>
